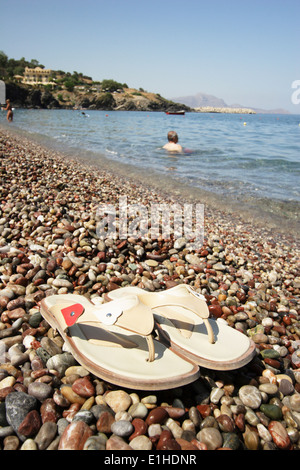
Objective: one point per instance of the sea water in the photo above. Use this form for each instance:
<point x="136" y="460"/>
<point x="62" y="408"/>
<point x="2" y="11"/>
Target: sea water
<point x="251" y="161"/>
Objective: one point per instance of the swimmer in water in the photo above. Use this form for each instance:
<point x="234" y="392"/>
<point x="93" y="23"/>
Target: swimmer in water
<point x="172" y="145"/>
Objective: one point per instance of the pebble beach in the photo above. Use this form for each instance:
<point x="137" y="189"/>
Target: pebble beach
<point x="49" y="245"/>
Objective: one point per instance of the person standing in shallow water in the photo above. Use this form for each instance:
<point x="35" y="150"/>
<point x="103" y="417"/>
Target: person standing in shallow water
<point x="172" y="145"/>
<point x="10" y="114"/>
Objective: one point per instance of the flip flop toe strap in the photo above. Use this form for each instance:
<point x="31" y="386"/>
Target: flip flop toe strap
<point x="195" y="304"/>
<point x="127" y="313"/>
<point x="151" y="348"/>
<point x="204" y="314"/>
<point x="211" y="336"/>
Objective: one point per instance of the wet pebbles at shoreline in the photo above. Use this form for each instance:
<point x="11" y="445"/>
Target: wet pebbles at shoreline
<point x="49" y="245"/>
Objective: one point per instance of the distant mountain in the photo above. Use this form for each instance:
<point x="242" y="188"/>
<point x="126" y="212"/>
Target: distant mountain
<point x="200" y="100"/>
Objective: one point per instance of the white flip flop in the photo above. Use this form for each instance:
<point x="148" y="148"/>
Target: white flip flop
<point x="183" y="315"/>
<point x="114" y="341"/>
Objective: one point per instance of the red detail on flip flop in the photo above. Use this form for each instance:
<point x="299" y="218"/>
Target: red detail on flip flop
<point x="72" y="313"/>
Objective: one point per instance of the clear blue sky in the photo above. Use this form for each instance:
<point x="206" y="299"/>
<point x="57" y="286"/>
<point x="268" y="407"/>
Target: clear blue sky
<point x="245" y="51"/>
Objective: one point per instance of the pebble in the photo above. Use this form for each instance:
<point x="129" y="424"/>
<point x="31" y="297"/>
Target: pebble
<point x="122" y="428"/>
<point x="72" y="396"/>
<point x="50" y="410"/>
<point x="117" y="443"/>
<point x="118" y="400"/>
<point x="167" y="442"/>
<point x="251" y="417"/>
<point x="76" y="370"/>
<point x="286" y="387"/>
<point x="272" y="411"/>
<point x="211" y="437"/>
<point x="279" y="435"/>
<point x="40" y="390"/>
<point x="11" y="443"/>
<point x="75" y="436"/>
<point x="294" y="402"/>
<point x="105" y="421"/>
<point x="18" y="405"/>
<point x="61" y="362"/>
<point x="269" y="388"/>
<point x="264" y="433"/>
<point x="6" y="431"/>
<point x="157" y="415"/>
<point x="95" y="442"/>
<point x="251" y="439"/>
<point x="226" y="424"/>
<point x="7" y="382"/>
<point x="249" y="277"/>
<point x="141" y="443"/>
<point x="83" y="387"/>
<point x="174" y="427"/>
<point x="250" y="396"/>
<point x="62" y="423"/>
<point x="29" y="444"/>
<point x="216" y="395"/>
<point x="231" y="441"/>
<point x="84" y="415"/>
<point x="138" y="410"/>
<point x="46" y="435"/>
<point x="140" y="428"/>
<point x="31" y="424"/>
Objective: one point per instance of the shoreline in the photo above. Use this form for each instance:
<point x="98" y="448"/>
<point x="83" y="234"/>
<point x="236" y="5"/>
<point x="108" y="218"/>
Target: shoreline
<point x="249" y="277"/>
<point x="272" y="220"/>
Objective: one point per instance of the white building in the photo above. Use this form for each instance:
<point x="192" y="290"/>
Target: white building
<point x="36" y="76"/>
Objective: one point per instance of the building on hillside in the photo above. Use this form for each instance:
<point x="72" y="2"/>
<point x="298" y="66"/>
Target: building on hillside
<point x="36" y="76"/>
<point x="19" y="78"/>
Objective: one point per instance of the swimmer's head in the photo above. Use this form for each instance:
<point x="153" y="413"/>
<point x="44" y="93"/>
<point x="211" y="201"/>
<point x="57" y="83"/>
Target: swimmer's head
<point x="172" y="137"/>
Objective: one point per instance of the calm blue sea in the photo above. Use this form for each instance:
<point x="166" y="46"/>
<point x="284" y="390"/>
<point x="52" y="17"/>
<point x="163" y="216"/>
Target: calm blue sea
<point x="251" y="160"/>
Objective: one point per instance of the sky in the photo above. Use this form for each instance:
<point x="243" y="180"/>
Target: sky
<point x="245" y="52"/>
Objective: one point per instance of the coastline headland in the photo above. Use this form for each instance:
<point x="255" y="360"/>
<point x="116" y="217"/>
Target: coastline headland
<point x="227" y="110"/>
<point x="49" y="245"/>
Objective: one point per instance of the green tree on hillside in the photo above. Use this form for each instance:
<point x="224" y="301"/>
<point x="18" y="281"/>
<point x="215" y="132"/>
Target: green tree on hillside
<point x="111" y="85"/>
<point x="69" y="84"/>
<point x="11" y="67"/>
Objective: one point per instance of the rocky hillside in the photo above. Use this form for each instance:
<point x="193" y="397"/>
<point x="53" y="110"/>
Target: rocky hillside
<point x="125" y="99"/>
<point x="22" y="96"/>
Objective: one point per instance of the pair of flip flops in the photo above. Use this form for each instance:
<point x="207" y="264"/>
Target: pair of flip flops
<point x="146" y="340"/>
